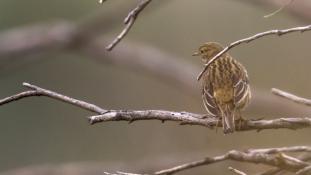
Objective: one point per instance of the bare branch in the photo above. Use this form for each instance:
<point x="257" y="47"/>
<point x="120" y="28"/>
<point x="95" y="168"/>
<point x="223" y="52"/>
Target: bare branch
<point x="184" y="118"/>
<point x="282" y="149"/>
<point x="278" y="10"/>
<point x="300" y="9"/>
<point x="129" y="21"/>
<point x="236" y="171"/>
<point x="18" y="97"/>
<point x="252" y="38"/>
<point x="279" y="160"/>
<point x="291" y="97"/>
<point x="37" y="91"/>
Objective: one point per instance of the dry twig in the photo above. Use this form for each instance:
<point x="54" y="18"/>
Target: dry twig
<point x="301" y="9"/>
<point x="128" y="21"/>
<point x="291" y="97"/>
<point x="236" y="171"/>
<point x="252" y="38"/>
<point x="37" y="91"/>
<point x="278" y="10"/>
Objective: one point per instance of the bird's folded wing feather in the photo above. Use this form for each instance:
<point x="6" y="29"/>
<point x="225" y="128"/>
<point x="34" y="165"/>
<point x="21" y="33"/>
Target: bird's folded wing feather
<point x="241" y="89"/>
<point x="209" y="100"/>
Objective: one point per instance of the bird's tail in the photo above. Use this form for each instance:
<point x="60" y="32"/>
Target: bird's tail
<point x="228" y="118"/>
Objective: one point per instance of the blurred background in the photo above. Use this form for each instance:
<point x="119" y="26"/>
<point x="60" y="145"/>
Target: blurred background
<point x="40" y="135"/>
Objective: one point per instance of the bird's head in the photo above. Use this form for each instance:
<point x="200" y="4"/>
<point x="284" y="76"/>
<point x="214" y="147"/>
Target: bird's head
<point x="208" y="50"/>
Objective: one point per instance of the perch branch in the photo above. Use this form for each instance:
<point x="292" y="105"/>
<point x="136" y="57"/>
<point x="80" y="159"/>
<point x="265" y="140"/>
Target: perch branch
<point x="128" y="21"/>
<point x="184" y="118"/>
<point x="252" y="38"/>
<point x="291" y="97"/>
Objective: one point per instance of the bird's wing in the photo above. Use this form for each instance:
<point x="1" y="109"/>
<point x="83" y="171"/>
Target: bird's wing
<point x="209" y="100"/>
<point x="241" y="89"/>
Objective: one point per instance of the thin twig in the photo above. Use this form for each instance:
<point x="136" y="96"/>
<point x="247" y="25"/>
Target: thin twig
<point x="18" y="97"/>
<point x="278" y="10"/>
<point x="252" y="38"/>
<point x="301" y="9"/>
<point x="291" y="97"/>
<point x="38" y="91"/>
<point x="129" y="21"/>
<point x="236" y="171"/>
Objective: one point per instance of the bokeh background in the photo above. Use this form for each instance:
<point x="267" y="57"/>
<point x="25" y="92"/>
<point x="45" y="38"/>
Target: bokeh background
<point x="39" y="132"/>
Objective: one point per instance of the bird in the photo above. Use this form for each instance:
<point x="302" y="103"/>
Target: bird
<point x="225" y="86"/>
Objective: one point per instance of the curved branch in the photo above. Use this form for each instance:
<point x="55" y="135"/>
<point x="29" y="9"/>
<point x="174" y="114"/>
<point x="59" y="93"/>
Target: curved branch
<point x="280" y="9"/>
<point x="252" y="38"/>
<point x="299" y="9"/>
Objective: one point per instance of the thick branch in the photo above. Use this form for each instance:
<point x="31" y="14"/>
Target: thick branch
<point x="252" y="38"/>
<point x="129" y="21"/>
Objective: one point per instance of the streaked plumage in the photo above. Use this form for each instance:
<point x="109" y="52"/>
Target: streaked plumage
<point x="225" y="86"/>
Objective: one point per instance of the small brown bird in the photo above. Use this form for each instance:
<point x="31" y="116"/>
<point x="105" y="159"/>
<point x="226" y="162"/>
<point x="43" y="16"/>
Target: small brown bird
<point x="225" y="86"/>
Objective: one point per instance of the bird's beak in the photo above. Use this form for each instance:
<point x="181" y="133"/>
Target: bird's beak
<point x="196" y="54"/>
